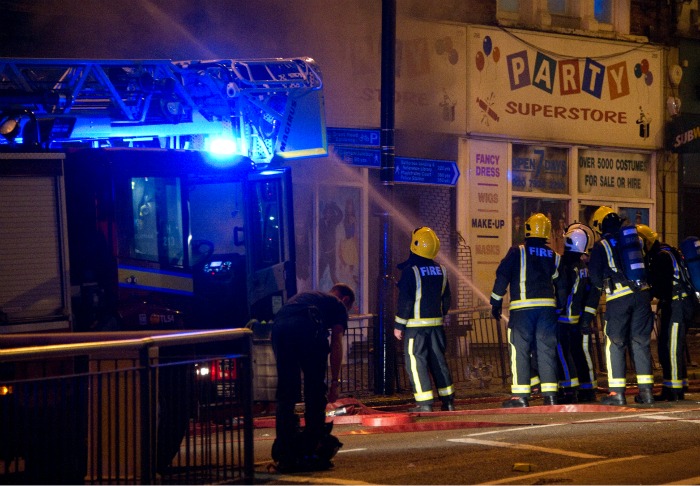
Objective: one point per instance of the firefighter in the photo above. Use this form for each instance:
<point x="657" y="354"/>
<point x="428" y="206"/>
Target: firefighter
<point x="532" y="271"/>
<point x="300" y="343"/>
<point x="617" y="268"/>
<point x="670" y="284"/>
<point x="423" y="301"/>
<point x="577" y="377"/>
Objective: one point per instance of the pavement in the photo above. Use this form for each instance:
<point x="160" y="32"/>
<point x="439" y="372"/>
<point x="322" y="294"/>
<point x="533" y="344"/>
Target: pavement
<point x="467" y="394"/>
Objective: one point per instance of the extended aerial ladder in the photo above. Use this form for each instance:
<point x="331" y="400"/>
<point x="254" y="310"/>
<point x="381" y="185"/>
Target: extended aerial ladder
<point x="264" y="108"/>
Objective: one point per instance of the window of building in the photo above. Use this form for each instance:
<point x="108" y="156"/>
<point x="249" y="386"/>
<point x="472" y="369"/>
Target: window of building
<point x="557" y="6"/>
<point x="509" y="5"/>
<point x="603" y="11"/>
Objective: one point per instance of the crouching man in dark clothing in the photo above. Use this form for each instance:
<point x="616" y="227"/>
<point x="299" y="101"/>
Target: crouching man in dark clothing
<point x="300" y="343"/>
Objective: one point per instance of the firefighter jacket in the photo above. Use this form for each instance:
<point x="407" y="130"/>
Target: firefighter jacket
<point x="665" y="273"/>
<point x="606" y="271"/>
<point x="581" y="304"/>
<point x="424" y="293"/>
<point x="532" y="271"/>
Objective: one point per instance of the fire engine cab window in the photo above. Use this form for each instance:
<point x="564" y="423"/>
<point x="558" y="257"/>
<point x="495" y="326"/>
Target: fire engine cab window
<point x="267" y="226"/>
<point x="157" y="220"/>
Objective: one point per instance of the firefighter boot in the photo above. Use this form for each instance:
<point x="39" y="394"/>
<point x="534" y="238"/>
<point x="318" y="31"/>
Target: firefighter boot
<point x="422" y="407"/>
<point x="644" y="397"/>
<point x="586" y="396"/>
<point x="668" y="394"/>
<point x="567" y="395"/>
<point x="550" y="400"/>
<point x="614" y="398"/>
<point x="516" y="402"/>
<point x="448" y="404"/>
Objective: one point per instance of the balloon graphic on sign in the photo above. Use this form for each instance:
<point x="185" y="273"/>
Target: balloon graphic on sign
<point x="649" y="78"/>
<point x="645" y="66"/>
<point x="496" y="54"/>
<point x="637" y="70"/>
<point x="480" y="60"/>
<point x="487" y="45"/>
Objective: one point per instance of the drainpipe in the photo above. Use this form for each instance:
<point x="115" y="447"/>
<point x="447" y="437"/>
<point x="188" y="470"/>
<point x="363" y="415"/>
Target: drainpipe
<point x="385" y="356"/>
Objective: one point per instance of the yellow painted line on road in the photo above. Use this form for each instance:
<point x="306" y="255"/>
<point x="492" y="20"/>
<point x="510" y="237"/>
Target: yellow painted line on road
<point x="514" y="479"/>
<point x="298" y="479"/>
<point x="695" y="480"/>
<point x="510" y="445"/>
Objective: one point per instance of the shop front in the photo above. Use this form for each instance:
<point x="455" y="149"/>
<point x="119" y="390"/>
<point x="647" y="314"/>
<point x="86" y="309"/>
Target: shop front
<point x="556" y="125"/>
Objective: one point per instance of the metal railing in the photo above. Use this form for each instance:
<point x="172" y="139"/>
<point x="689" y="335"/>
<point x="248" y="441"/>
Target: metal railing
<point x="476" y="354"/>
<point x="96" y="408"/>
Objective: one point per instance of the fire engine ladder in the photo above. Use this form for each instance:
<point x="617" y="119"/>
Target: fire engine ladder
<point x="95" y="100"/>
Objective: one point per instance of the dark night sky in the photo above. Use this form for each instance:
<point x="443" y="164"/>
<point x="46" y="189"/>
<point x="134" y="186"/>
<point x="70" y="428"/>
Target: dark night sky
<point x="146" y="29"/>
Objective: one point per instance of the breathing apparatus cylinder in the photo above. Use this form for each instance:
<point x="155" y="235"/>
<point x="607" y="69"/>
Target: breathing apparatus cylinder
<point x="632" y="259"/>
<point x="690" y="248"/>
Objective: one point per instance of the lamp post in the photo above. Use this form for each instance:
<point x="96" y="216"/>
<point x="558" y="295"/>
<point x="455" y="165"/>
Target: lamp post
<point x="385" y="355"/>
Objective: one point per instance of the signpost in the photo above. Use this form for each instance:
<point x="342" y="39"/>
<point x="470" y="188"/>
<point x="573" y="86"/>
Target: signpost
<point x="367" y="157"/>
<point x="360" y="147"/>
<point x="353" y="136"/>
<point x="426" y="171"/>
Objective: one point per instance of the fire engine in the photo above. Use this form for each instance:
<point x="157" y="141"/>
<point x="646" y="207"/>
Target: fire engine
<point x="150" y="194"/>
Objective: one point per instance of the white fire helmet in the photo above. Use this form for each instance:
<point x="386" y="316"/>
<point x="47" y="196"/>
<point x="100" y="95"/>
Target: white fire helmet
<point x="578" y="238"/>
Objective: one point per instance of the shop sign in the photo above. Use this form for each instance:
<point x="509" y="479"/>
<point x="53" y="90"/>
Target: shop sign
<point x="620" y="174"/>
<point x="683" y="134"/>
<point x="540" y="169"/>
<point x="554" y="87"/>
<point x="487" y="229"/>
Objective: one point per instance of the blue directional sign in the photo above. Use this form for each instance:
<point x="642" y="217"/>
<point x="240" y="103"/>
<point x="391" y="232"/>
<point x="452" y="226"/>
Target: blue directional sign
<point x="426" y="171"/>
<point x="365" y="157"/>
<point x="353" y="136"/>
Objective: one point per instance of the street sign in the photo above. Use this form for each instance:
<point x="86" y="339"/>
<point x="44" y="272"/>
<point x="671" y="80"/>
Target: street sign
<point x="426" y="171"/>
<point x="353" y="136"/>
<point x="366" y="157"/>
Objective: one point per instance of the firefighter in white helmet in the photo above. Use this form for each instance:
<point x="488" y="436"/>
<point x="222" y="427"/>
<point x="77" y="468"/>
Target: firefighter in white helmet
<point x="532" y="272"/>
<point x="670" y="283"/>
<point x="617" y="268"/>
<point x="424" y="299"/>
<point x="577" y="378"/>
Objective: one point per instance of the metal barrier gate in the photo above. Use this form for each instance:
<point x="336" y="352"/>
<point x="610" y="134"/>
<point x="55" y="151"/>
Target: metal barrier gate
<point x="97" y="408"/>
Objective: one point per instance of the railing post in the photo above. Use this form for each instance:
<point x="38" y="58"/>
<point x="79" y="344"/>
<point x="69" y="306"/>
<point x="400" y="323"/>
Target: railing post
<point x="147" y="403"/>
<point x="247" y="405"/>
<point x="500" y="351"/>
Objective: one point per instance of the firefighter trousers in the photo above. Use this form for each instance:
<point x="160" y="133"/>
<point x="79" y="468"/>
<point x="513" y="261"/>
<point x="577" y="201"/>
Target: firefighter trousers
<point x="424" y="352"/>
<point x="300" y="347"/>
<point x="628" y="323"/>
<point x="674" y="316"/>
<point x="533" y="332"/>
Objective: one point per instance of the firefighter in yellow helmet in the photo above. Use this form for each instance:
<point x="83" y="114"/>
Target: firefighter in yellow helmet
<point x="536" y="291"/>
<point x="617" y="269"/>
<point x="424" y="299"/>
<point x="670" y="283"/>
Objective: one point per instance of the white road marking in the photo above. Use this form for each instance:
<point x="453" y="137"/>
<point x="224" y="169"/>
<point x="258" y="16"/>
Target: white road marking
<point x="549" y="450"/>
<point x="352" y="450"/>
<point x="513" y="479"/>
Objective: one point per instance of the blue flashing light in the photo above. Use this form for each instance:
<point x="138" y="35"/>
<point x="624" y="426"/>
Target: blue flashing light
<point x="222" y="146"/>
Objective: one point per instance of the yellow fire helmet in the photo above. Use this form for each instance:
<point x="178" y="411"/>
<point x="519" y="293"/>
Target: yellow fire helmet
<point x="648" y="236"/>
<point x="605" y="220"/>
<point x="425" y="243"/>
<point x="538" y="226"/>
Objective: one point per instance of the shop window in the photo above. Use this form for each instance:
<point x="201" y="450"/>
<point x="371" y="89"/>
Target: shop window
<point x="539" y="169"/>
<point x="556" y="210"/>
